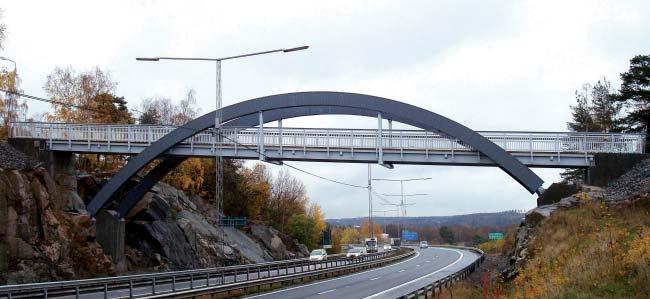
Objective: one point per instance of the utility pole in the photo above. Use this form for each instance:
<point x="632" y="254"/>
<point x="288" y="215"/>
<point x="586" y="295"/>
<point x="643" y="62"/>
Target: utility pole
<point x="402" y="205"/>
<point x="371" y="229"/>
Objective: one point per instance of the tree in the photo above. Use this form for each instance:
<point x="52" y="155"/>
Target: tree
<point x="606" y="110"/>
<point x="163" y="111"/>
<point x="302" y="228"/>
<point x="315" y="212"/>
<point x="447" y="235"/>
<point x="635" y="92"/>
<point x="78" y="94"/>
<point x="288" y="197"/>
<point x="350" y="236"/>
<point x="581" y="113"/>
<point x="365" y="229"/>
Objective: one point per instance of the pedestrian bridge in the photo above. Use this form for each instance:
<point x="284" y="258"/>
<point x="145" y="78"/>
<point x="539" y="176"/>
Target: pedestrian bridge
<point x="245" y="134"/>
<point x="534" y="149"/>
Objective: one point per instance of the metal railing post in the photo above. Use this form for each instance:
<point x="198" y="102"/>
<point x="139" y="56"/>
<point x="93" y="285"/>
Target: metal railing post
<point x="260" y="142"/>
<point x="380" y="152"/>
<point x="280" y="136"/>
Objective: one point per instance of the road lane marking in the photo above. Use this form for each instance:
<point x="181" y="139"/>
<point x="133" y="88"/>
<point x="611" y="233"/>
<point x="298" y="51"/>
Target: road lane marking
<point x="401" y="270"/>
<point x="420" y="278"/>
<point x="417" y="253"/>
<point x="378" y="277"/>
<point x="418" y="265"/>
<point x="321" y="293"/>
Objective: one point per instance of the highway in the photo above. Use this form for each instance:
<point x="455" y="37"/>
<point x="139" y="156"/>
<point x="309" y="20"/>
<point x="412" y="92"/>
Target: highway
<point x="390" y="281"/>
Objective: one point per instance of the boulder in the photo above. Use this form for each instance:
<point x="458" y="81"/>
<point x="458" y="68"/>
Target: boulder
<point x="25" y="251"/>
<point x="17" y="183"/>
<point x="87" y="187"/>
<point x="40" y="194"/>
<point x="73" y="203"/>
<point x="66" y="181"/>
<point x="269" y="237"/>
<point x="150" y="208"/>
<point x="161" y="237"/>
<point x="248" y="249"/>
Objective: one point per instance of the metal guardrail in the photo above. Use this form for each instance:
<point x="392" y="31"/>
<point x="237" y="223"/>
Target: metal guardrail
<point x="431" y="289"/>
<point x="333" y="139"/>
<point x="169" y="283"/>
<point x="233" y="221"/>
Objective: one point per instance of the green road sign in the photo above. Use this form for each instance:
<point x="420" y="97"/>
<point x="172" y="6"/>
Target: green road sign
<point x="495" y="236"/>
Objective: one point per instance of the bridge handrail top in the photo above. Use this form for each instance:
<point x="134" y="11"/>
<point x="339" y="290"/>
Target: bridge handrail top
<point x="339" y="129"/>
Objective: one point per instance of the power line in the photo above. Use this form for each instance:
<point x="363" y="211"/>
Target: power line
<point x="53" y="102"/>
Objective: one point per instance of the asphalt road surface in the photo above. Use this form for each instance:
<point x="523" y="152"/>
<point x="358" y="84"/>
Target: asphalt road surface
<point x="391" y="281"/>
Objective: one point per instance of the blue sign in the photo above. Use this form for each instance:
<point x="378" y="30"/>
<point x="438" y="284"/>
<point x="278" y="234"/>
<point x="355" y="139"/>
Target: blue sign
<point x="409" y="236"/>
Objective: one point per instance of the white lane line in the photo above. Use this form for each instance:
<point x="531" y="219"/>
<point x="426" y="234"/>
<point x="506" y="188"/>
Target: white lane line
<point x="418" y="265"/>
<point x="417" y="253"/>
<point x="400" y="271"/>
<point x="321" y="293"/>
<point x="378" y="277"/>
<point x="418" y="279"/>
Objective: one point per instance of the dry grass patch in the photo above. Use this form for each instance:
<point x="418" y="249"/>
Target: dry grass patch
<point x="589" y="252"/>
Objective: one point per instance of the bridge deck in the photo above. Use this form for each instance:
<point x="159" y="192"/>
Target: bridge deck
<point x="535" y="149"/>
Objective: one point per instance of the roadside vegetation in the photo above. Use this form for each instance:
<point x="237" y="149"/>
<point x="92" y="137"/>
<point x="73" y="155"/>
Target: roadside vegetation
<point x="594" y="251"/>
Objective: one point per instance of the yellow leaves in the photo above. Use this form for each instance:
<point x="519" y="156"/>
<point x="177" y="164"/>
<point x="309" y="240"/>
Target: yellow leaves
<point x="639" y="251"/>
<point x="189" y="176"/>
<point x="583" y="196"/>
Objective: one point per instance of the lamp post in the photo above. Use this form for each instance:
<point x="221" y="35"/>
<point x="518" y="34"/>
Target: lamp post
<point x="218" y="116"/>
<point x="11" y="105"/>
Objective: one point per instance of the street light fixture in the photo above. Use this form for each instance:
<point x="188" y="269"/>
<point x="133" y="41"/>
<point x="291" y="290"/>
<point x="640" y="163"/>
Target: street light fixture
<point x="217" y="120"/>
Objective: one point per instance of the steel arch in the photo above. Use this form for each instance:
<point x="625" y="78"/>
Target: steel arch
<point x="283" y="106"/>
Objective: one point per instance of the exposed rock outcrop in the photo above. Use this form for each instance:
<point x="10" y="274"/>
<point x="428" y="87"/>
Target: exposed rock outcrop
<point x="39" y="240"/>
<point x="526" y="231"/>
<point x="179" y="231"/>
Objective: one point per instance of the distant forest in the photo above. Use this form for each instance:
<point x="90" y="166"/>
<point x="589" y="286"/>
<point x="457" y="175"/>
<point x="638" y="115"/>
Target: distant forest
<point x="467" y="229"/>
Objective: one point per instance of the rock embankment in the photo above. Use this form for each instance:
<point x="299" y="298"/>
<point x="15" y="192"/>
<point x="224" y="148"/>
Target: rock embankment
<point x="46" y="234"/>
<point x="632" y="185"/>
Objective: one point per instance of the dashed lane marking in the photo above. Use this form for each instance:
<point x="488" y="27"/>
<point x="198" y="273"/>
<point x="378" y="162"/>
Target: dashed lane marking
<point x="321" y="293"/>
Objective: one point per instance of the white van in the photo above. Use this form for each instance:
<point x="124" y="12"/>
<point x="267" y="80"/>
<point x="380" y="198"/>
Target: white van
<point x="424" y="244"/>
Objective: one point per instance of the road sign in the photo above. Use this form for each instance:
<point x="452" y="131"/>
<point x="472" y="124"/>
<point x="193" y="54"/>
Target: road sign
<point x="409" y="235"/>
<point x="495" y="236"/>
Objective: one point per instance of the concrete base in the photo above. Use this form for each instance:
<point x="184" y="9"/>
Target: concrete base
<point x="111" y="234"/>
<point x="610" y="167"/>
<point x="56" y="162"/>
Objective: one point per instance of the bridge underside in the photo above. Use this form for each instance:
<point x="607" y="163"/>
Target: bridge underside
<point x="344" y="155"/>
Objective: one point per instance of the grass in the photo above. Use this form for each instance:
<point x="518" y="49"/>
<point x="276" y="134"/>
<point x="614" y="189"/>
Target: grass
<point x="594" y="251"/>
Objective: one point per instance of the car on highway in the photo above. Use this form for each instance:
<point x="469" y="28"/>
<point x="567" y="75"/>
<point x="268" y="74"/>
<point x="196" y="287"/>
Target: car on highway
<point x="387" y="247"/>
<point x="355" y="252"/>
<point x="318" y="255"/>
<point x="424" y="244"/>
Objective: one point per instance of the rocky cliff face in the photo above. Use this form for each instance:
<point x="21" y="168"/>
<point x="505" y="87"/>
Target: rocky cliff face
<point x="46" y="234"/>
<point x="171" y="230"/>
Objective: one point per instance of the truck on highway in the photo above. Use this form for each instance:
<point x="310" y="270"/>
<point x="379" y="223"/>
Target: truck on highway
<point x="395" y="242"/>
<point x="371" y="245"/>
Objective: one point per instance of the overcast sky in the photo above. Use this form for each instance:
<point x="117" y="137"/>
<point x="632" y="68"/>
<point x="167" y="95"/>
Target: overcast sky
<point x="490" y="65"/>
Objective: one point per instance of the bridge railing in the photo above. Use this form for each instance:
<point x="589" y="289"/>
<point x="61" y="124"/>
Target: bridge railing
<point x="354" y="139"/>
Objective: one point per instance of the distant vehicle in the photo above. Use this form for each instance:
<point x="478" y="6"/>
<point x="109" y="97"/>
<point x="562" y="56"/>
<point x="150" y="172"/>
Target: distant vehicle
<point x="371" y="245"/>
<point x="355" y="252"/>
<point x="395" y="242"/>
<point x="318" y="255"/>
<point x="387" y="247"/>
<point x="424" y="244"/>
